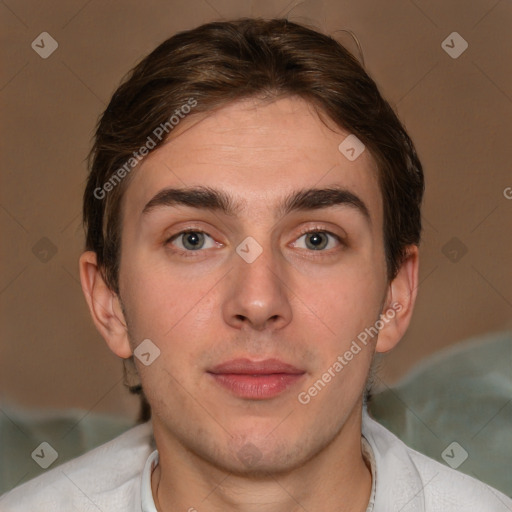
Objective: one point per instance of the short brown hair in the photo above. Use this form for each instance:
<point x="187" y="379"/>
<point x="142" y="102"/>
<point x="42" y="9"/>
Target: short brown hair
<point x="221" y="62"/>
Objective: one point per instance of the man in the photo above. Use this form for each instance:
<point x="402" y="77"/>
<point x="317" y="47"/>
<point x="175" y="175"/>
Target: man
<point x="253" y="222"/>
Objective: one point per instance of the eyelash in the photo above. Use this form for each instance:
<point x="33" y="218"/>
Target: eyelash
<point x="188" y="253"/>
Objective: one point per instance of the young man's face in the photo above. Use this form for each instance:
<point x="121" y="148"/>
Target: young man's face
<point x="207" y="299"/>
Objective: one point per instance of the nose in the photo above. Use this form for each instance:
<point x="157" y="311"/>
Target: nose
<point x="258" y="296"/>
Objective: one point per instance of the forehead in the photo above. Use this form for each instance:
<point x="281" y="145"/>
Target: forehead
<point x="259" y="153"/>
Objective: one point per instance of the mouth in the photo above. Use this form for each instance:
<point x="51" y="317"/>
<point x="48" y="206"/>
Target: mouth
<point x="257" y="380"/>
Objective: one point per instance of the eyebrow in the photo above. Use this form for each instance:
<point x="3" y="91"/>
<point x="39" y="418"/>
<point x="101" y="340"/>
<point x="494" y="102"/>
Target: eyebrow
<point x="207" y="198"/>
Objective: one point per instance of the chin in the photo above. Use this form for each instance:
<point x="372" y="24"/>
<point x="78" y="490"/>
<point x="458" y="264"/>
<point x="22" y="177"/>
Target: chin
<point x="256" y="455"/>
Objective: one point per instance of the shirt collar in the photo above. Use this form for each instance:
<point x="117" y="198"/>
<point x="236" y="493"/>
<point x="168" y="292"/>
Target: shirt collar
<point x="369" y="457"/>
<point x="146" y="494"/>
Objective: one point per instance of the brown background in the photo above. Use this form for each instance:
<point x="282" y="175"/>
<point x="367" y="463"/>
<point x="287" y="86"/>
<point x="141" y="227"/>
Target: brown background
<point x="458" y="111"/>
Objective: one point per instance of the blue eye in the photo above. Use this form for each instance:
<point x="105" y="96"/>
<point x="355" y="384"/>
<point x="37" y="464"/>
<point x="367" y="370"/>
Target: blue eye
<point x="191" y="240"/>
<point x="318" y="240"/>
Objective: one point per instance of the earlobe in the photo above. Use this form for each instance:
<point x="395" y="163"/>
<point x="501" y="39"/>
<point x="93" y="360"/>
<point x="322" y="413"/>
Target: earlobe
<point x="400" y="301"/>
<point x="104" y="306"/>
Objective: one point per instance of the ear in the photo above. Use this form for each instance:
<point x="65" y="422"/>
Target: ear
<point x="104" y="306"/>
<point x="399" y="303"/>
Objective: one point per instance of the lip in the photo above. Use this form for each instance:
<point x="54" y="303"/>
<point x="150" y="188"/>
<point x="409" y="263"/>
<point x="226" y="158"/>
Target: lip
<point x="247" y="367"/>
<point x="257" y="380"/>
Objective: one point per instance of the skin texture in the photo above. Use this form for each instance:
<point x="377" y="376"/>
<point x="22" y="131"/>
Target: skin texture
<point x="297" y="304"/>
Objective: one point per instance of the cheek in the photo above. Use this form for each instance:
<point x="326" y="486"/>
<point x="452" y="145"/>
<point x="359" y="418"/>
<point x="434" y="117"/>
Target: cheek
<point x="164" y="304"/>
<point x="347" y="308"/>
<point x="348" y="296"/>
<point x="347" y="304"/>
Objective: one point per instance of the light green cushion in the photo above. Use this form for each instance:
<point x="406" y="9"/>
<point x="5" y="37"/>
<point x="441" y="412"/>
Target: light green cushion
<point x="70" y="432"/>
<point x="462" y="394"/>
